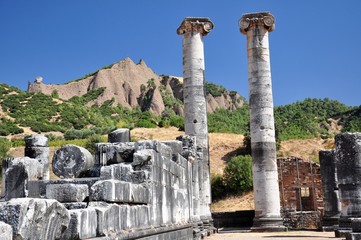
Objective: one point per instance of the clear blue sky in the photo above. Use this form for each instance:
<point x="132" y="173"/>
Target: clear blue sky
<point x="315" y="48"/>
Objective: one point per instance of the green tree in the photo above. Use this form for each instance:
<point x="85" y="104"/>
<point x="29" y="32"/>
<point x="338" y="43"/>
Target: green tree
<point x="237" y="176"/>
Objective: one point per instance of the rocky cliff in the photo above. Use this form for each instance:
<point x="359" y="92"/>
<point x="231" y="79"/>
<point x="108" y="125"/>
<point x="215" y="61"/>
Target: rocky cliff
<point x="132" y="85"/>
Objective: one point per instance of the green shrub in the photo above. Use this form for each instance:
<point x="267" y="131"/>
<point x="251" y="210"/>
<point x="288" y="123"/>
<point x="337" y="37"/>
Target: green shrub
<point x="92" y="140"/>
<point x="61" y="142"/>
<point x="214" y="89"/>
<point x="164" y="123"/>
<point x="237" y="176"/>
<point x="145" y="123"/>
<point x="4" y="147"/>
<point x="177" y="121"/>
<point x="78" y="134"/>
<point x="217" y="187"/>
<point x="54" y="94"/>
<point x="4" y="150"/>
<point x="227" y="121"/>
<point x="353" y="121"/>
<point x="8" y="127"/>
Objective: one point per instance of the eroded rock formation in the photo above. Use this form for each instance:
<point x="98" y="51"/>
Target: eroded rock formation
<point x="126" y="81"/>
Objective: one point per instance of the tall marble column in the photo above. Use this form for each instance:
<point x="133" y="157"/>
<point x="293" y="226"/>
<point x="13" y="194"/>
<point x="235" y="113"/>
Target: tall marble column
<point x="265" y="177"/>
<point x="195" y="110"/>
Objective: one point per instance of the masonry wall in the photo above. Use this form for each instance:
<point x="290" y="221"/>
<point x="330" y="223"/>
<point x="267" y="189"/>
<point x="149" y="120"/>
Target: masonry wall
<point x="137" y="190"/>
<point x="300" y="192"/>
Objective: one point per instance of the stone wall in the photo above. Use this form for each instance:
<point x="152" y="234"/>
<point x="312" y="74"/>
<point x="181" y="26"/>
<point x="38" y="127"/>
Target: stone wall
<point x="137" y="190"/>
<point x="300" y="192"/>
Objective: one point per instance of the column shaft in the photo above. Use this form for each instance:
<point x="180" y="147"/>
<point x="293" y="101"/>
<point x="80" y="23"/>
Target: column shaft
<point x="195" y="108"/>
<point x="265" y="176"/>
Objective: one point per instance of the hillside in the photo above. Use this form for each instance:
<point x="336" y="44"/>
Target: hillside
<point x="132" y="85"/>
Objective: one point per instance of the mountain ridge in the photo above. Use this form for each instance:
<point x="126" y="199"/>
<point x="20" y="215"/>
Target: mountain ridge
<point x="127" y="83"/>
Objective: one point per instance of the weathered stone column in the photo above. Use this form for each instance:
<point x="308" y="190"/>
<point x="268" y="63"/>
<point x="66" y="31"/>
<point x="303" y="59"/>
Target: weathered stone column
<point x="36" y="146"/>
<point x="265" y="177"/>
<point x="348" y="154"/>
<point x="71" y="161"/>
<point x="331" y="199"/>
<point x="195" y="110"/>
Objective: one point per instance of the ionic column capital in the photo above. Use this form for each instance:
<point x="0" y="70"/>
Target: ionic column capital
<point x="250" y="20"/>
<point x="195" y="24"/>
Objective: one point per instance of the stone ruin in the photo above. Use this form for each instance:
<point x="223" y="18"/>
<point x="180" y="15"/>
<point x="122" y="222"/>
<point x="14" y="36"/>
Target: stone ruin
<point x="301" y="193"/>
<point x="129" y="190"/>
<point x="160" y="189"/>
<point x="342" y="186"/>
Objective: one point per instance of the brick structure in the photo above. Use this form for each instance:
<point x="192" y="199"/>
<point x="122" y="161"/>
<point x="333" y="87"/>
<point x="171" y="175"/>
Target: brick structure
<point x="300" y="192"/>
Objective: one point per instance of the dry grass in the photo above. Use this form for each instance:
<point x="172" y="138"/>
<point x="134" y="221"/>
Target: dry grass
<point x="243" y="202"/>
<point x="305" y="148"/>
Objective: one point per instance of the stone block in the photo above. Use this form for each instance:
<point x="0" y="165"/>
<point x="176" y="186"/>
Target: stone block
<point x="6" y="231"/>
<point x="119" y="191"/>
<point x="67" y="192"/>
<point x="142" y="216"/>
<point x="164" y="150"/>
<point x="38" y="140"/>
<point x="108" y="218"/>
<point x="179" y="159"/>
<point x="175" y="145"/>
<point x="82" y="225"/>
<point x="72" y="161"/>
<point x="124" y="172"/>
<point x="141" y="176"/>
<point x="75" y="205"/>
<point x="42" y="155"/>
<point x="119" y="135"/>
<point x="35" y="218"/>
<point x="17" y="172"/>
<point x="36" y="146"/>
<point x="189" y="146"/>
<point x="37" y="189"/>
<point x="143" y="158"/>
<point x="112" y="153"/>
<point x="356" y="225"/>
<point x="125" y="215"/>
<point x="116" y="172"/>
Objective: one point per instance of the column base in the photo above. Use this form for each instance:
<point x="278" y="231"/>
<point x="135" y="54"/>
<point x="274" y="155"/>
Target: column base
<point x="353" y="236"/>
<point x="330" y="224"/>
<point x="342" y="233"/>
<point x="268" y="224"/>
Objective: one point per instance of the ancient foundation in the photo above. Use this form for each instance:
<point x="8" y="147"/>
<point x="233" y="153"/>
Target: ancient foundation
<point x="195" y="111"/>
<point x="144" y="191"/>
<point x="265" y="177"/>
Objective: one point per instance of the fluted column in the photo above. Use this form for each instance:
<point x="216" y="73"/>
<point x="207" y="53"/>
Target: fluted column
<point x="265" y="177"/>
<point x="195" y="110"/>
